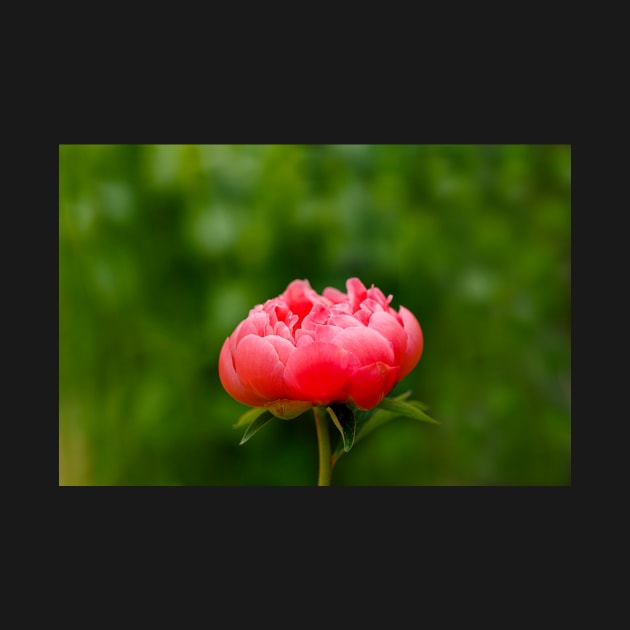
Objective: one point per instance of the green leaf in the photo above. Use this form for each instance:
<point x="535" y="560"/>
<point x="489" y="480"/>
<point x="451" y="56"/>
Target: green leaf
<point x="256" y="425"/>
<point x="366" y="418"/>
<point x="420" y="405"/>
<point x="344" y="419"/>
<point x="369" y="420"/>
<point x="249" y="416"/>
<point x="412" y="409"/>
<point x="373" y="419"/>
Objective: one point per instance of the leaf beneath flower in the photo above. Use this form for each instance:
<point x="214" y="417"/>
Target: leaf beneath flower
<point x="411" y="409"/>
<point x="256" y="425"/>
<point x="249" y="416"/>
<point x="389" y="409"/>
<point x="420" y="405"/>
<point x="345" y="421"/>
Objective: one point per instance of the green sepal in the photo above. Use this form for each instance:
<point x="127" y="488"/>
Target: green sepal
<point x="249" y="416"/>
<point x="256" y="425"/>
<point x="344" y="419"/>
<point x="288" y="409"/>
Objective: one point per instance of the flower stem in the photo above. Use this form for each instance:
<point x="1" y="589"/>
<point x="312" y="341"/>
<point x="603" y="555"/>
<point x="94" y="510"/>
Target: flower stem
<point x="323" y="441"/>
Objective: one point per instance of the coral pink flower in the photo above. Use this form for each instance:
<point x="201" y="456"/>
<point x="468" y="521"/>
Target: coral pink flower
<point x="302" y="349"/>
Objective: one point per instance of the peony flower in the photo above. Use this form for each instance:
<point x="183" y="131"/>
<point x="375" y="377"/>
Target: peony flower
<point x="302" y="349"/>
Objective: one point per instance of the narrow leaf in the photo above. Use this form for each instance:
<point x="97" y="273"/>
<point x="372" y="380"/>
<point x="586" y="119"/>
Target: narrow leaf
<point x="407" y="409"/>
<point x="256" y="425"/>
<point x="344" y="420"/>
<point x="376" y="418"/>
<point x="419" y="404"/>
<point x="367" y="421"/>
<point x="249" y="416"/>
<point x="371" y="418"/>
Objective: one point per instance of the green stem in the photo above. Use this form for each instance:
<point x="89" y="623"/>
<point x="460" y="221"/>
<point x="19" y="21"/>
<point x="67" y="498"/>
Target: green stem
<point x="323" y="441"/>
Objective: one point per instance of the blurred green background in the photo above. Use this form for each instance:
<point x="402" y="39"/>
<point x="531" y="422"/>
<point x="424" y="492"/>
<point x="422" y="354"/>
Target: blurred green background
<point x="163" y="249"/>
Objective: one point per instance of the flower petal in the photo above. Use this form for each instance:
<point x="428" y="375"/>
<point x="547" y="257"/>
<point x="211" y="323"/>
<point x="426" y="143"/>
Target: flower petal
<point x="231" y="382"/>
<point x="334" y="295"/>
<point x="415" y="342"/>
<point x="390" y="328"/>
<point x="300" y="297"/>
<point x="344" y="321"/>
<point x="369" y="385"/>
<point x="283" y="347"/>
<point x="318" y="372"/>
<point x="356" y="292"/>
<point x="366" y="344"/>
<point x="259" y="368"/>
<point x="255" y="324"/>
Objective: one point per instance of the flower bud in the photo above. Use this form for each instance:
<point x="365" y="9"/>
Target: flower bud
<point x="302" y="349"/>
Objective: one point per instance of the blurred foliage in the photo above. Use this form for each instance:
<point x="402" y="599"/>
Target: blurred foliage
<point x="163" y="249"/>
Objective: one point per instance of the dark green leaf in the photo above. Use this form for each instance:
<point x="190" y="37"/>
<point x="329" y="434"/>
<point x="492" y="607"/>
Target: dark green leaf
<point x="343" y="418"/>
<point x="256" y="425"/>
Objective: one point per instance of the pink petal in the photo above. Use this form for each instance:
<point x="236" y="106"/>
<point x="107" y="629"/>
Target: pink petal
<point x="366" y="344"/>
<point x="368" y="386"/>
<point x="376" y="294"/>
<point x="303" y="338"/>
<point x="300" y="297"/>
<point x="259" y="368"/>
<point x="374" y="306"/>
<point x="344" y="321"/>
<point x="231" y="382"/>
<point x="282" y="346"/>
<point x="356" y="292"/>
<point x="325" y="333"/>
<point x="282" y="330"/>
<point x="318" y="372"/>
<point x="334" y="295"/>
<point x="391" y="329"/>
<point x="255" y="324"/>
<point x="363" y="315"/>
<point x="415" y="342"/>
<point x="319" y="315"/>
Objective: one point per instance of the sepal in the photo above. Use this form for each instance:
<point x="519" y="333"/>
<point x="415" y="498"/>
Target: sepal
<point x="288" y="409"/>
<point x="344" y="419"/>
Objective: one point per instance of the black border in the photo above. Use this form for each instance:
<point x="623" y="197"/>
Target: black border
<point x="409" y="521"/>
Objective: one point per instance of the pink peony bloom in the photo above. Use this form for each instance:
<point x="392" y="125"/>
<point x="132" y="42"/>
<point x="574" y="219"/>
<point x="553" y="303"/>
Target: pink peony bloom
<point x="302" y="349"/>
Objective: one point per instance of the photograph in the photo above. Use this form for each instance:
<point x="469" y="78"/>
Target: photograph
<point x="262" y="315"/>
